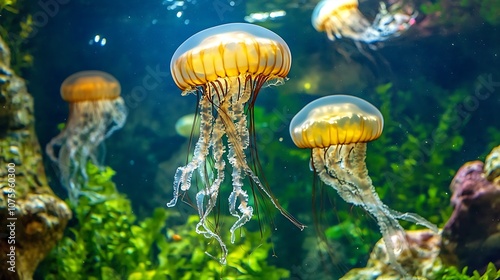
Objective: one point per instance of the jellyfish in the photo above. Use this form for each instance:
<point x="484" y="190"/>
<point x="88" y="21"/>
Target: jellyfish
<point x="342" y="18"/>
<point x="337" y="128"/>
<point x="96" y="110"/>
<point x="226" y="66"/>
<point x="187" y="126"/>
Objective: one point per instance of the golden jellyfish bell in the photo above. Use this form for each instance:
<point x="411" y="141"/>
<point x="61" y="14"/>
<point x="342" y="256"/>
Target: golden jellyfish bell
<point x="90" y="86"/>
<point x="328" y="8"/>
<point x="229" y="50"/>
<point x="336" y="120"/>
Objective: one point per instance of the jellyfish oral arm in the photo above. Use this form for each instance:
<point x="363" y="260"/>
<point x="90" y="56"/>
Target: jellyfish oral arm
<point x="183" y="175"/>
<point x="238" y="138"/>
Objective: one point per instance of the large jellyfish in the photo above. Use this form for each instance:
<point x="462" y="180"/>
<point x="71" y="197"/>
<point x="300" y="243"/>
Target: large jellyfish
<point x="337" y="128"/>
<point x="342" y="18"/>
<point x="226" y="66"/>
<point x="96" y="110"/>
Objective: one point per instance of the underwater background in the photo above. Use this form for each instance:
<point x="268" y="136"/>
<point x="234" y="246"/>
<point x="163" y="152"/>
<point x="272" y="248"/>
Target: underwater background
<point x="425" y="82"/>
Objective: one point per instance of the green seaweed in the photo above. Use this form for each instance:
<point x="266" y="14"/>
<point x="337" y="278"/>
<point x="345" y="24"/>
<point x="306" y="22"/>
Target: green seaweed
<point x="108" y="243"/>
<point x="412" y="149"/>
<point x="351" y="232"/>
<point x="452" y="273"/>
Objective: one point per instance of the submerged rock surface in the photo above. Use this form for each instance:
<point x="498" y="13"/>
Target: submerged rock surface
<point x="35" y="216"/>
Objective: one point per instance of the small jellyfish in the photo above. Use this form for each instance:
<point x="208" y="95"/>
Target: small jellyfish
<point x="337" y="128"/>
<point x="188" y="125"/>
<point x="226" y="66"/>
<point x="96" y="110"/>
<point x="342" y="18"/>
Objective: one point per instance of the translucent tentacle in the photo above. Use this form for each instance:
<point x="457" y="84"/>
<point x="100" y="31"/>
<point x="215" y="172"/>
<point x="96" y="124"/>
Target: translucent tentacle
<point x="241" y="163"/>
<point x="414" y="218"/>
<point x="183" y="175"/>
<point x="213" y="191"/>
<point x="55" y="142"/>
<point x="118" y="116"/>
<point x="238" y="141"/>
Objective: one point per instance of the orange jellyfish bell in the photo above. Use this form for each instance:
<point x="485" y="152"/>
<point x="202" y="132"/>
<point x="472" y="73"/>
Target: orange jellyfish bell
<point x="90" y="85"/>
<point x="229" y="51"/>
<point x="336" y="120"/>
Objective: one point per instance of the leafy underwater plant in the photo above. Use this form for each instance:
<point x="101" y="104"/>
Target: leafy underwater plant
<point x="452" y="273"/>
<point x="108" y="243"/>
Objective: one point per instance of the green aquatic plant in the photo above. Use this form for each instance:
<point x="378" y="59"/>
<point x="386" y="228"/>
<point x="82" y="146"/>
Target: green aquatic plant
<point x="8" y="5"/>
<point x="452" y="273"/>
<point x="16" y="28"/>
<point x="108" y="243"/>
<point x="103" y="244"/>
<point x="352" y="232"/>
<point x="185" y="257"/>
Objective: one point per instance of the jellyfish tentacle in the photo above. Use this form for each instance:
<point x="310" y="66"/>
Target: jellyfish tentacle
<point x="230" y="112"/>
<point x="238" y="102"/>
<point x="218" y="150"/>
<point x="235" y="143"/>
<point x="414" y="218"/>
<point x="183" y="174"/>
<point x="68" y="167"/>
<point x="55" y="142"/>
<point x="242" y="196"/>
<point x="393" y="234"/>
<point x="117" y="117"/>
<point x="328" y="170"/>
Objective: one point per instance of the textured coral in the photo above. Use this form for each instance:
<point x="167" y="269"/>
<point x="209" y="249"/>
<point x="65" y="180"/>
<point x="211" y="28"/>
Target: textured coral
<point x="37" y="217"/>
<point x="471" y="237"/>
